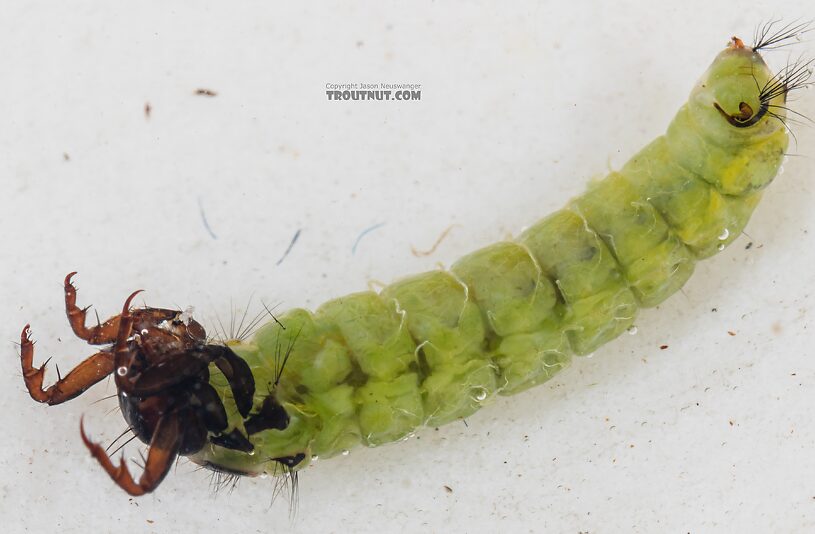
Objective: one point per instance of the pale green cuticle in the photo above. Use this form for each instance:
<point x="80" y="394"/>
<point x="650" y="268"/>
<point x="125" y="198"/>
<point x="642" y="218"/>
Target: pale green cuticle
<point x="369" y="368"/>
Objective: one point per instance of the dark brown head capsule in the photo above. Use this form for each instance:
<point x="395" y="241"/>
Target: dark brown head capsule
<point x="160" y="360"/>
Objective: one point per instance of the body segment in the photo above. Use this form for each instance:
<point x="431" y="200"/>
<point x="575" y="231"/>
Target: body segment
<point x="370" y="368"/>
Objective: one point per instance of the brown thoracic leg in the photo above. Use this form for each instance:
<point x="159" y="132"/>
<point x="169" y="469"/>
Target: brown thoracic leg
<point x="81" y="377"/>
<point x="101" y="334"/>
<point x="163" y="450"/>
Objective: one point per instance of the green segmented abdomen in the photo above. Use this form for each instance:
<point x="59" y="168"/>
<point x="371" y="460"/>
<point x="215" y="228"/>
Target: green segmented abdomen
<point x="370" y="368"/>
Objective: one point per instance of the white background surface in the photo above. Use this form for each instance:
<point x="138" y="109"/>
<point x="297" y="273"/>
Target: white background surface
<point x="522" y="103"/>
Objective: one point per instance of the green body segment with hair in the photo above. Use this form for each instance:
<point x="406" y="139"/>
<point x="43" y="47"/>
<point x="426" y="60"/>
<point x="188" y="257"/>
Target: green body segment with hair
<point x="369" y="368"/>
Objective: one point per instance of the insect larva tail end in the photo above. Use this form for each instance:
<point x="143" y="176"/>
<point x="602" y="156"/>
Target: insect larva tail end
<point x="731" y="103"/>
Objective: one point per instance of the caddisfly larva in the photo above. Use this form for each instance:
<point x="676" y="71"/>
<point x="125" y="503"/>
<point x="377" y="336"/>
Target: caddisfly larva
<point x="369" y="368"/>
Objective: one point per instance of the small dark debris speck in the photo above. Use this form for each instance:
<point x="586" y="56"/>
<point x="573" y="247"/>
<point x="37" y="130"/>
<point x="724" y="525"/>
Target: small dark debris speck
<point x="663" y="347"/>
<point x="730" y="332"/>
<point x="749" y="246"/>
<point x="205" y="92"/>
<point x="147" y="110"/>
<point x="448" y="489"/>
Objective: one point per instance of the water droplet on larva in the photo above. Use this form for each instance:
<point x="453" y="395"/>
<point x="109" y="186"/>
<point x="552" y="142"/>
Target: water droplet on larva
<point x="724" y="235"/>
<point x="144" y="332"/>
<point x="121" y="371"/>
<point x="314" y="458"/>
<point x="481" y="394"/>
<point x="632" y="330"/>
<point x="346" y="452"/>
<point x="720" y="247"/>
<point x="252" y="452"/>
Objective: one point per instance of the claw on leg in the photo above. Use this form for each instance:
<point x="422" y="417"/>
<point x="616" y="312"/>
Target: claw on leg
<point x="101" y="334"/>
<point x="81" y="377"/>
<point x="163" y="450"/>
<point x="121" y="351"/>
